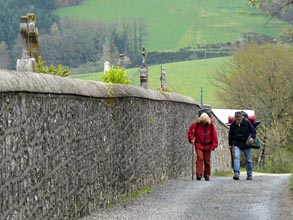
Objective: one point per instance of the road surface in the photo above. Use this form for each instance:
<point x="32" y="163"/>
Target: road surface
<point x="266" y="197"/>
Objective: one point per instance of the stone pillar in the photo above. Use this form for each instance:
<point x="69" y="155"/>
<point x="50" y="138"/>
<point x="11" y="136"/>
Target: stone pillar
<point x="163" y="79"/>
<point x="121" y="61"/>
<point x="26" y="65"/>
<point x="143" y="71"/>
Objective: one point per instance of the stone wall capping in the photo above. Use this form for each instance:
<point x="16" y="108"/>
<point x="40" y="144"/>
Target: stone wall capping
<point x="12" y="81"/>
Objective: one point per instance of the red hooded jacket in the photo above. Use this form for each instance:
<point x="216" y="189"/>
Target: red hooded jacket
<point x="206" y="137"/>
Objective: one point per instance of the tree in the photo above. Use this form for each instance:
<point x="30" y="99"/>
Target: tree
<point x="12" y="10"/>
<point x="4" y="55"/>
<point x="257" y="3"/>
<point x="260" y="78"/>
<point x="74" y="43"/>
<point x="276" y="8"/>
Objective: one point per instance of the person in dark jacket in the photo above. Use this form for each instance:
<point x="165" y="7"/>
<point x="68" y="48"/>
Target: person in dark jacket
<point x="239" y="132"/>
<point x="202" y="134"/>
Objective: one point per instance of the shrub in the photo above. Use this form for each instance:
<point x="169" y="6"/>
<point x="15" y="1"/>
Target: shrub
<point x="59" y="70"/>
<point x="115" y="75"/>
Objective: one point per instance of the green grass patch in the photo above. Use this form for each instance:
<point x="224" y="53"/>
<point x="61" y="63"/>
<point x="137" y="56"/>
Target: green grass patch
<point x="223" y="173"/>
<point x="185" y="78"/>
<point x="173" y="24"/>
<point x="134" y="195"/>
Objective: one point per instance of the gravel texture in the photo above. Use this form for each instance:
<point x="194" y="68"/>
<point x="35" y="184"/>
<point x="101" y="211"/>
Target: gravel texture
<point x="266" y="197"/>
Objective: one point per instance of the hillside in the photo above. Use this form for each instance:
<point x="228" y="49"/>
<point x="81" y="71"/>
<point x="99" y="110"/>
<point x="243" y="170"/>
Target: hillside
<point x="185" y="78"/>
<point x="173" y="24"/>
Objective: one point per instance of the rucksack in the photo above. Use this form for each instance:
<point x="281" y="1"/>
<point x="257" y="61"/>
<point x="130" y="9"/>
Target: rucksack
<point x="251" y="119"/>
<point x="205" y="110"/>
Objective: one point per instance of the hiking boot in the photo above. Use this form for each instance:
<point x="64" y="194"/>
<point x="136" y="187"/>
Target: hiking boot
<point x="235" y="177"/>
<point x="198" y="178"/>
<point x="207" y="178"/>
<point x="249" y="178"/>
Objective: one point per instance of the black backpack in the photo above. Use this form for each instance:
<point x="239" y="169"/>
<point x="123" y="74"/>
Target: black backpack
<point x="205" y="110"/>
<point x="254" y="123"/>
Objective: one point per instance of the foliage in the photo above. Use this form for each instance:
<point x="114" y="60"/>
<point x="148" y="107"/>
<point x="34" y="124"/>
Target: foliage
<point x="281" y="3"/>
<point x="185" y="78"/>
<point x="95" y="31"/>
<point x="115" y="75"/>
<point x="62" y="3"/>
<point x="278" y="8"/>
<point x="53" y="70"/>
<point x="12" y="10"/>
<point x="5" y="58"/>
<point x="77" y="43"/>
<point x="278" y="161"/>
<point x="255" y="3"/>
<point x="259" y="78"/>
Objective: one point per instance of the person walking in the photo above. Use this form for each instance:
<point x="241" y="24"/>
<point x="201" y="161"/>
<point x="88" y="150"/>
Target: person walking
<point x="240" y="130"/>
<point x="203" y="136"/>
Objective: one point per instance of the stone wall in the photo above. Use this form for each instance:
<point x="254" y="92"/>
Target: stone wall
<point x="70" y="146"/>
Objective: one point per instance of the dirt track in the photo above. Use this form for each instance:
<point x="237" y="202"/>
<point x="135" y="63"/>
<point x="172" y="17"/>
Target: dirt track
<point x="266" y="197"/>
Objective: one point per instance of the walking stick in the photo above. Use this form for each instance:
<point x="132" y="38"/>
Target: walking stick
<point x="192" y="161"/>
<point x="232" y="157"/>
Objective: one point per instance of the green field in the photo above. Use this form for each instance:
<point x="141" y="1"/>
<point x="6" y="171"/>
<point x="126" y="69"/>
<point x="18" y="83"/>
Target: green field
<point x="174" y="24"/>
<point x="185" y="78"/>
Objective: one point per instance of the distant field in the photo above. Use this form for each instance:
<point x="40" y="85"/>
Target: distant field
<point x="185" y="78"/>
<point x="174" y="24"/>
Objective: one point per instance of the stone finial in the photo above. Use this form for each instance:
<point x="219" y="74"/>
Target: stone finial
<point x="163" y="79"/>
<point x="106" y="66"/>
<point x="121" y="61"/>
<point x="143" y="71"/>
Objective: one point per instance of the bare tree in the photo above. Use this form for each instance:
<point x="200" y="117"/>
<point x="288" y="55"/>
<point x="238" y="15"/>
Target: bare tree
<point x="276" y="8"/>
<point x="4" y="55"/>
<point x="260" y="78"/>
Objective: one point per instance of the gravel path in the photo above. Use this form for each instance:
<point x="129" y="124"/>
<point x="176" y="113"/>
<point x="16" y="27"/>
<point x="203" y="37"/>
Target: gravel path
<point x="266" y="197"/>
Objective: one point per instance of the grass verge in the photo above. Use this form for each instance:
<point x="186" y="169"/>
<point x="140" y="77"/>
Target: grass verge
<point x="134" y="195"/>
<point x="222" y="173"/>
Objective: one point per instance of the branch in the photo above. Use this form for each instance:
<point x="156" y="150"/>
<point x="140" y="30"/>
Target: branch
<point x="289" y="2"/>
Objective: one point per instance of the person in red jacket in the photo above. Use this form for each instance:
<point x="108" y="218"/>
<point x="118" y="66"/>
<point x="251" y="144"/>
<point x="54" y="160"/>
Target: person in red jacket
<point x="203" y="135"/>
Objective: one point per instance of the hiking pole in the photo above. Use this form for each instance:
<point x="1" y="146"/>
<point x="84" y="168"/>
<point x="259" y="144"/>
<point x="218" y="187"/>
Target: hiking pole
<point x="232" y="157"/>
<point x="192" y="161"/>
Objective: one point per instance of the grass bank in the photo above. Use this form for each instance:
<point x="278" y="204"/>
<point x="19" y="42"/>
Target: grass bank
<point x="186" y="78"/>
